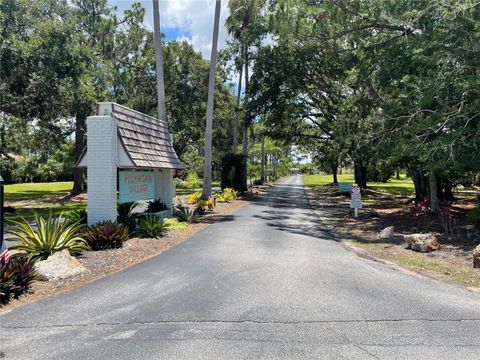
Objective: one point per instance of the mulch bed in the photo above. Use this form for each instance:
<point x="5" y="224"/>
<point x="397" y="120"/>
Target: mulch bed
<point x="453" y="262"/>
<point x="103" y="263"/>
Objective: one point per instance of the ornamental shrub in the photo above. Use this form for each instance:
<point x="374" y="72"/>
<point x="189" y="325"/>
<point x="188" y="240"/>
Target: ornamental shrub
<point x="126" y="216"/>
<point x="184" y="214"/>
<point x="155" y="206"/>
<point x="192" y="180"/>
<point x="77" y="216"/>
<point x="16" y="275"/>
<point x="151" y="226"/>
<point x="201" y="206"/>
<point x="194" y="197"/>
<point x="47" y="236"/>
<point x="106" y="235"/>
<point x="227" y="195"/>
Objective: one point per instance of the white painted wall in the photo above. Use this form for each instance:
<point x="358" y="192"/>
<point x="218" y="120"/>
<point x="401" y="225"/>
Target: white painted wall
<point x="102" y="169"/>
<point x="165" y="188"/>
<point x="104" y="154"/>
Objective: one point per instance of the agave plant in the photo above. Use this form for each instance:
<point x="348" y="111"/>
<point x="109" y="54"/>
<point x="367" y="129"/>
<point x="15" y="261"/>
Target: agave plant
<point x="184" y="214"/>
<point x="47" y="236"/>
<point x="151" y="226"/>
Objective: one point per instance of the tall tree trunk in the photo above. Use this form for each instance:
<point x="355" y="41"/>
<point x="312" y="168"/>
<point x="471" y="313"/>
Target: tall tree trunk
<point x="245" y="125"/>
<point x="434" y="200"/>
<point x="162" y="112"/>
<point x="440" y="195"/>
<point x="274" y="166"/>
<point x="357" y="168"/>
<point x="334" y="173"/>
<point x="448" y="193"/>
<point x="364" y="176"/>
<point x="360" y="174"/>
<point x="262" y="161"/>
<point x="207" y="172"/>
<point x="78" y="173"/>
<point x="420" y="184"/>
<point x="237" y="112"/>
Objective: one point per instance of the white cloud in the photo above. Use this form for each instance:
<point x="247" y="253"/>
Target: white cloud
<point x="190" y="16"/>
<point x="196" y="17"/>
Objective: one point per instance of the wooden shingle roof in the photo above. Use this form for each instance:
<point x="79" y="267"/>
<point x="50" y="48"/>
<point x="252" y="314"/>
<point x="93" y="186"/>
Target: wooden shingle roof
<point x="146" y="139"/>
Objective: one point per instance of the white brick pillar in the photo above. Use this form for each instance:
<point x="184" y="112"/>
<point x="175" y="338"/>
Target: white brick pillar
<point x="164" y="187"/>
<point x="101" y="169"/>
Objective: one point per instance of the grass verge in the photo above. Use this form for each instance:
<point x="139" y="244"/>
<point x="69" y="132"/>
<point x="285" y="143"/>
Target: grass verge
<point x="402" y="186"/>
<point x="437" y="267"/>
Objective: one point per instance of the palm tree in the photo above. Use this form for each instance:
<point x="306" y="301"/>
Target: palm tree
<point x="162" y="112"/>
<point x="207" y="172"/>
<point x="243" y="14"/>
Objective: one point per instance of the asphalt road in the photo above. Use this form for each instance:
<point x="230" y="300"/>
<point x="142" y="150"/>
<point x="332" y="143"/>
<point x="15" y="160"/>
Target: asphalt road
<point x="268" y="283"/>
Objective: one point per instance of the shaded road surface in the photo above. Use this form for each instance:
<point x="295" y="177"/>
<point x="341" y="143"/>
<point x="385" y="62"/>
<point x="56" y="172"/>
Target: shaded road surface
<point x="268" y="283"/>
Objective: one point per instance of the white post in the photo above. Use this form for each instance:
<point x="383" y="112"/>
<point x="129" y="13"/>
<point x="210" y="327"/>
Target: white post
<point x="101" y="169"/>
<point x="356" y="212"/>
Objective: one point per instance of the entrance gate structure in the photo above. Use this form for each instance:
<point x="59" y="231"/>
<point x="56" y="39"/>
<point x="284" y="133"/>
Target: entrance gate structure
<point x="138" y="145"/>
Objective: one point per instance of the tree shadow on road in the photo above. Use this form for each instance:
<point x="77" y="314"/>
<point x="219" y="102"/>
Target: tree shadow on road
<point x="288" y="209"/>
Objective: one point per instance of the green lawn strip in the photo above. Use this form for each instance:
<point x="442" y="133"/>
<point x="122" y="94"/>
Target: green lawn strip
<point x="462" y="276"/>
<point x="184" y="186"/>
<point x="44" y="211"/>
<point x="404" y="186"/>
<point x="30" y="191"/>
<point x="322" y="180"/>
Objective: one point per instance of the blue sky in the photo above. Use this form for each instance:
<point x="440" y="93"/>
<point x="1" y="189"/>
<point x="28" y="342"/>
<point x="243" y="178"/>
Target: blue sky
<point x="190" y="20"/>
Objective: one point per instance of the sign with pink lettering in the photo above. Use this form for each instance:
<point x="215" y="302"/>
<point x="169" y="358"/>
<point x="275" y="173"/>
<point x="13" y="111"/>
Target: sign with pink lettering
<point x="135" y="185"/>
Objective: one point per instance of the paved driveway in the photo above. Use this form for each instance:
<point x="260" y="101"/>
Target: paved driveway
<point x="268" y="283"/>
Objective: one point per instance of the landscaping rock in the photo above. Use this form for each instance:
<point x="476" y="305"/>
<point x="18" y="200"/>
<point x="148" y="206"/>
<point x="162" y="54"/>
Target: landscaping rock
<point x="58" y="266"/>
<point x="476" y="257"/>
<point x="422" y="242"/>
<point x="387" y="233"/>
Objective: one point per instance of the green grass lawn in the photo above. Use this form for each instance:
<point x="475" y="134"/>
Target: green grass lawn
<point x="29" y="191"/>
<point x="322" y="180"/>
<point x="30" y="198"/>
<point x="183" y="189"/>
<point x="404" y="186"/>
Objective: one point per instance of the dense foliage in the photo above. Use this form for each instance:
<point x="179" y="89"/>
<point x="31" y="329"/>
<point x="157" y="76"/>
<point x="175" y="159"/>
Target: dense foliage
<point x="380" y="85"/>
<point x="43" y="237"/>
<point x="106" y="235"/>
<point x="77" y="216"/>
<point x="16" y="275"/>
<point x="151" y="226"/>
<point x="184" y="214"/>
<point x="61" y="57"/>
<point x="126" y="215"/>
<point x="156" y="206"/>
